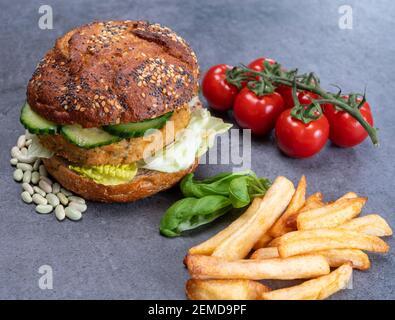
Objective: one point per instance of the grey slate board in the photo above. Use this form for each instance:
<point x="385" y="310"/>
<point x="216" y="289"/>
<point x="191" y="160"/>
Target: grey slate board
<point x="116" y="251"/>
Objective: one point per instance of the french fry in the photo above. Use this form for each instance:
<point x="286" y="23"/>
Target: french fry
<point x="207" y="247"/>
<point x="209" y="267"/>
<point x="312" y="202"/>
<point x="331" y="215"/>
<point x="271" y="206"/>
<point x="316" y="289"/>
<point x="297" y="202"/>
<point x="308" y="241"/>
<point x="371" y="224"/>
<point x="265" y="253"/>
<point x="224" y="289"/>
<point x="348" y="195"/>
<point x="263" y="241"/>
<point x="335" y="257"/>
<point x="276" y="241"/>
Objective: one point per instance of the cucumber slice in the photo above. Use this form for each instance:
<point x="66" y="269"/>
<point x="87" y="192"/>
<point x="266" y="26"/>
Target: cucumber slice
<point x="87" y="137"/>
<point x="137" y="129"/>
<point x="36" y="123"/>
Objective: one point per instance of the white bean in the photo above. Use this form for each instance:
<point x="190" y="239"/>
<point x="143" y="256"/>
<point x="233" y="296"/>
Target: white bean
<point x="14" y="161"/>
<point x="45" y="186"/>
<point x="27" y="176"/>
<point x="26" y="197"/>
<point x="40" y="191"/>
<point x="63" y="199"/>
<point x="73" y="214"/>
<point x="39" y="199"/>
<point x="53" y="200"/>
<point x="66" y="192"/>
<point x="35" y="177"/>
<point x="42" y="170"/>
<point x="79" y="206"/>
<point x="25" y="158"/>
<point x="15" y="152"/>
<point x="36" y="164"/>
<point x="56" y="188"/>
<point x="28" y="142"/>
<point x="24" y="166"/>
<point x="59" y="212"/>
<point x="77" y="199"/>
<point x="21" y="141"/>
<point x="47" y="180"/>
<point x="27" y="187"/>
<point x="18" y="175"/>
<point x="24" y="151"/>
<point x="44" y="208"/>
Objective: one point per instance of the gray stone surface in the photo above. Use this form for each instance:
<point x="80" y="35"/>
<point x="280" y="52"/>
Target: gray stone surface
<point x="116" y="250"/>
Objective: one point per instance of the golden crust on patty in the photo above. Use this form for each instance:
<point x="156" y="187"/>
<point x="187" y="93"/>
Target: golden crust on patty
<point x="122" y="152"/>
<point x="114" y="72"/>
<point x="145" y="184"/>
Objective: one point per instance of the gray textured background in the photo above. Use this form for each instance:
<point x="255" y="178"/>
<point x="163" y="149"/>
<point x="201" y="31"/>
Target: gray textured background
<point x="116" y="251"/>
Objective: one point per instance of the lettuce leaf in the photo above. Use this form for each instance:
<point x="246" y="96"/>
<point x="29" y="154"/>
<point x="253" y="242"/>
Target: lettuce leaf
<point x="190" y="144"/>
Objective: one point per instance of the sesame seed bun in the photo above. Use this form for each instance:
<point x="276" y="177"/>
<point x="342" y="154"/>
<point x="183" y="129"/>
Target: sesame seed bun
<point x="114" y="72"/>
<point x="145" y="184"/>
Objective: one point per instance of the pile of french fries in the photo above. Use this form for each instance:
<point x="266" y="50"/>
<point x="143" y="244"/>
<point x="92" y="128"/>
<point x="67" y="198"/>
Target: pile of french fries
<point x="285" y="236"/>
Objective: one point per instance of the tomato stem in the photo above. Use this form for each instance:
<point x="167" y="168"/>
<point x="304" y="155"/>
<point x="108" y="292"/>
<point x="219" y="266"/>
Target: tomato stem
<point x="273" y="74"/>
<point x="354" y="112"/>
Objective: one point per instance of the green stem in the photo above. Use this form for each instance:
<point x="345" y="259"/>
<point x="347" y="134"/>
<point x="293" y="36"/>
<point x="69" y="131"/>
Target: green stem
<point x="279" y="76"/>
<point x="355" y="113"/>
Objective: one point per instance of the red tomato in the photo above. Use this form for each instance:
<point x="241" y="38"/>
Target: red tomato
<point x="299" y="140"/>
<point x="257" y="113"/>
<point x="345" y="130"/>
<point x="305" y="97"/>
<point x="284" y="91"/>
<point x="218" y="92"/>
<point x="257" y="64"/>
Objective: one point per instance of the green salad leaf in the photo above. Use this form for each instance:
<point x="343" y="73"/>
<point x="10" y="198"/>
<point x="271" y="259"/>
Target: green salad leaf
<point x="218" y="185"/>
<point x="190" y="213"/>
<point x="206" y="200"/>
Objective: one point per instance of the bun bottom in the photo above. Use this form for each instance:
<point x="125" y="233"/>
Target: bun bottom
<point x="144" y="184"/>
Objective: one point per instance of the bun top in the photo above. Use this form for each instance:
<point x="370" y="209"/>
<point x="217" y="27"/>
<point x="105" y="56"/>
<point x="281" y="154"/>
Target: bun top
<point x="114" y="72"/>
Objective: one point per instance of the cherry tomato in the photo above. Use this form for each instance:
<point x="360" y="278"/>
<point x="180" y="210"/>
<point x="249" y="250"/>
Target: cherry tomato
<point x="284" y="91"/>
<point x="257" y="64"/>
<point x="299" y="140"/>
<point x="257" y="113"/>
<point x="346" y="131"/>
<point x="305" y="97"/>
<point x="218" y="92"/>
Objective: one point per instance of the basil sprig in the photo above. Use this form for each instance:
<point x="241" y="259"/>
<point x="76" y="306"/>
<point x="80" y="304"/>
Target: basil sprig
<point x="208" y="199"/>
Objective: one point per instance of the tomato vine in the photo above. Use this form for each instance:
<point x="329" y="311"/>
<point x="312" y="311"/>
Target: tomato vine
<point x="273" y="75"/>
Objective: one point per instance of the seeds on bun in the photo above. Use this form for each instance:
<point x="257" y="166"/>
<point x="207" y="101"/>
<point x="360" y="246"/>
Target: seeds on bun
<point x="115" y="113"/>
<point x="114" y="72"/>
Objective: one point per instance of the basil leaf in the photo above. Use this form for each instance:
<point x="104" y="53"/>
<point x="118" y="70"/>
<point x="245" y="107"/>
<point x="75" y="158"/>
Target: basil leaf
<point x="217" y="177"/>
<point x="238" y="192"/>
<point x="189" y="213"/>
<point x="265" y="183"/>
<point x="217" y="185"/>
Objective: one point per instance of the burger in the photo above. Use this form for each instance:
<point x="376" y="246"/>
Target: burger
<point x="113" y="110"/>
